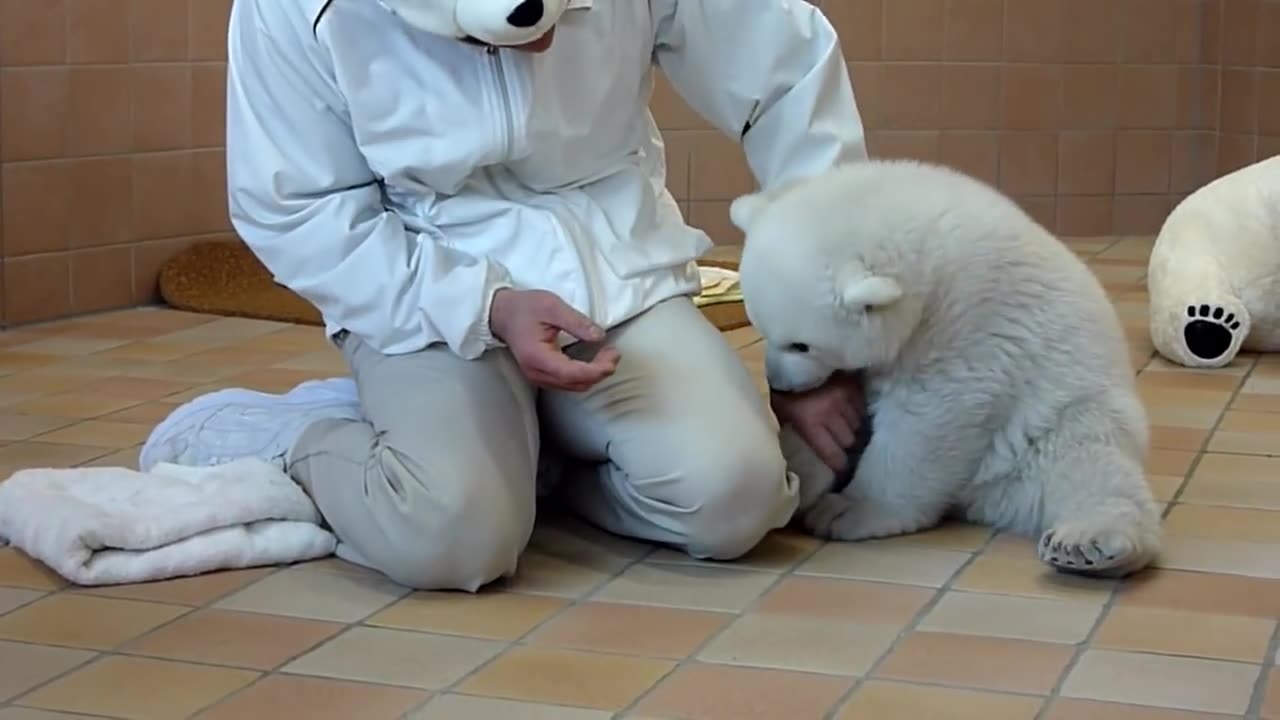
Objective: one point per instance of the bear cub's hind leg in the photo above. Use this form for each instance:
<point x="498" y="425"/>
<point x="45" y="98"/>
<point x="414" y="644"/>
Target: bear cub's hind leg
<point x="1099" y="514"/>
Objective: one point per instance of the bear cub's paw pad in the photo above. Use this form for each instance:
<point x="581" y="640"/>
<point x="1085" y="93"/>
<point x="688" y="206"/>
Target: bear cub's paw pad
<point x="1088" y="549"/>
<point x="1209" y="331"/>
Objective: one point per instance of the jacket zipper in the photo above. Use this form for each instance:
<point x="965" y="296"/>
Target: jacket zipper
<point x="509" y="138"/>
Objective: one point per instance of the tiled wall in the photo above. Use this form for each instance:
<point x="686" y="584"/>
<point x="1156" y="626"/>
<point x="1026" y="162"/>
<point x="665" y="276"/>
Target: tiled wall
<point x="110" y="147"/>
<point x="1242" y="39"/>
<point x="1096" y="114"/>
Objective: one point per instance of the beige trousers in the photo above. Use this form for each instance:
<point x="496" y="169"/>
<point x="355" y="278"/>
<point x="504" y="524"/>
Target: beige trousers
<point x="437" y="489"/>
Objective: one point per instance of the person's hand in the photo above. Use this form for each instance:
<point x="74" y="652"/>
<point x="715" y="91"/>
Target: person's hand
<point x="530" y="323"/>
<point x="826" y="417"/>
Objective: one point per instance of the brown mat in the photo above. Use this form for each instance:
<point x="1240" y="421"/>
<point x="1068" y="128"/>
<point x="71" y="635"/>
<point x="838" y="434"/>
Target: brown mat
<point x="223" y="277"/>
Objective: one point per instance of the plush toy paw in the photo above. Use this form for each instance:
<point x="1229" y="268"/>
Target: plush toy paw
<point x="1211" y="332"/>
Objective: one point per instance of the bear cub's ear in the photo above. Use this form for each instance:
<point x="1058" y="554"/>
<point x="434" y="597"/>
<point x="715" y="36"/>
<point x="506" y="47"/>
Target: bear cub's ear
<point x="744" y="211"/>
<point x="869" y="292"/>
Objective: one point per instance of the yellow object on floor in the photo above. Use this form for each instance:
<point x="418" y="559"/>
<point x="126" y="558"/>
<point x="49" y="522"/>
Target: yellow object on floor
<point x="221" y="277"/>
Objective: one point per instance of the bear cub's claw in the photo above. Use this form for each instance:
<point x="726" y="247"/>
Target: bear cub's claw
<point x="1093" y="549"/>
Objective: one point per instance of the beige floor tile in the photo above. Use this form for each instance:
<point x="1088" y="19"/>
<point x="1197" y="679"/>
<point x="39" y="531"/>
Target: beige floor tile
<point x="45" y="455"/>
<point x="83" y="621"/>
<point x="688" y="586"/>
<point x="1248" y="481"/>
<point x="1241" y="431"/>
<point x="895" y="563"/>
<point x="489" y="615"/>
<point x="12" y="361"/>
<point x="195" y="590"/>
<point x="1171" y="437"/>
<point x="148" y="390"/>
<point x="984" y="663"/>
<point x="1176" y="632"/>
<point x="1202" y="592"/>
<point x="1271" y="699"/>
<point x="466" y="707"/>
<point x="1165" y="487"/>
<point x="1257" y="401"/>
<point x="566" y="677"/>
<point x="1220" y="556"/>
<point x="1162" y="681"/>
<point x="631" y="629"/>
<point x="139" y="689"/>
<point x="289" y="696"/>
<point x="954" y="536"/>
<point x="69" y="345"/>
<point x="14" y="598"/>
<point x="569" y="539"/>
<point x="126" y="458"/>
<point x="721" y="692"/>
<point x="779" y="552"/>
<point x="26" y="666"/>
<point x="1170" y="462"/>
<point x="1023" y="574"/>
<point x="786" y="642"/>
<point x="99" y="433"/>
<point x="541" y="574"/>
<point x="318" y="596"/>
<point x="845" y="600"/>
<point x="21" y="713"/>
<point x="879" y="700"/>
<point x="73" y="405"/>
<point x="149" y="413"/>
<point x="1059" y="621"/>
<point x="223" y="637"/>
<point x="20" y="571"/>
<point x="1072" y="709"/>
<point x="1222" y="383"/>
<point x="14" y="428"/>
<point x="1224" y="523"/>
<point x="396" y="657"/>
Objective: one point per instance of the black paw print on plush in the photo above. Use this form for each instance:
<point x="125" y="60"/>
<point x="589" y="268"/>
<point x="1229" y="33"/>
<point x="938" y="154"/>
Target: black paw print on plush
<point x="1209" y="331"/>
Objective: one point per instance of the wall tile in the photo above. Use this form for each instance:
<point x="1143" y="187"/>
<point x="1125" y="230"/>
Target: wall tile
<point x="1090" y="31"/>
<point x="1240" y="32"/>
<point x="910" y="99"/>
<point x="1033" y="30"/>
<point x="101" y="110"/>
<point x="207" y="28"/>
<point x="974" y="31"/>
<point x="1085" y="215"/>
<point x="1029" y="163"/>
<point x="1148" y="96"/>
<point x="161" y="107"/>
<point x="1086" y="163"/>
<point x="1268" y="30"/>
<point x="37" y="288"/>
<point x="1239" y="105"/>
<point x="914" y="29"/>
<point x="102" y="193"/>
<point x="97" y="31"/>
<point x="33" y="117"/>
<point x="32" y="32"/>
<point x="1148" y="31"/>
<point x="860" y="24"/>
<point x="35" y="206"/>
<point x="1090" y="95"/>
<point x="101" y="279"/>
<point x="159" y="30"/>
<point x="1032" y="97"/>
<point x="976" y="154"/>
<point x="1143" y="161"/>
<point x="1268" y="92"/>
<point x="971" y="97"/>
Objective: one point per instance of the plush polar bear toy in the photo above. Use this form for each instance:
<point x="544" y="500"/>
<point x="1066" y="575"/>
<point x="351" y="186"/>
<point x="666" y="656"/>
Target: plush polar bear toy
<point x="1214" y="273"/>
<point x="493" y="22"/>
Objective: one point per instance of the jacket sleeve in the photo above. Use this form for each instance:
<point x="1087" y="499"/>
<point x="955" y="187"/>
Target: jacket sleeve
<point x="302" y="196"/>
<point x="769" y="72"/>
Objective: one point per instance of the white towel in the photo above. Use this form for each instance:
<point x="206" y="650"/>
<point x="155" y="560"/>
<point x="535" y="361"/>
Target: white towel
<point x="106" y="526"/>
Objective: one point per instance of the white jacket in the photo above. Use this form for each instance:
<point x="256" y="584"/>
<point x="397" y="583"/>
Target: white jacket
<point x="397" y="179"/>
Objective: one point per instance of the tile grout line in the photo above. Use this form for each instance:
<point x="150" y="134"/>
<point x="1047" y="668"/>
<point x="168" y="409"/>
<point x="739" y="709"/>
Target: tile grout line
<point x="1260" y="688"/>
<point x="910" y="627"/>
<point x="520" y="641"/>
<point x="692" y="656"/>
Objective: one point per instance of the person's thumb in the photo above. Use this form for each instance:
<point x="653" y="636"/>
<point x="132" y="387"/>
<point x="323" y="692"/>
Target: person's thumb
<point x="560" y="315"/>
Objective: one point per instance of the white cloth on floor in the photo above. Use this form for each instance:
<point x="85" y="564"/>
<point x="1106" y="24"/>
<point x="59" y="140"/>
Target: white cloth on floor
<point x="113" y="525"/>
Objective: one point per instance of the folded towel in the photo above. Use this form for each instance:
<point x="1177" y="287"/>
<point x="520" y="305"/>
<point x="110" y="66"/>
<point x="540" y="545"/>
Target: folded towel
<point x="104" y="526"/>
<point x="719" y="285"/>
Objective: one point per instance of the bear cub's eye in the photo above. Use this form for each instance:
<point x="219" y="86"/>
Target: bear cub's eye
<point x="798" y="348"/>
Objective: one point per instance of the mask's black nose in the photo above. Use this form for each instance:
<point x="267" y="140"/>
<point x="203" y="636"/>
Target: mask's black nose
<point x="526" y="14"/>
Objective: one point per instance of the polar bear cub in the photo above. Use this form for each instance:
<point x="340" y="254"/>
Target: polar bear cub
<point x="997" y="372"/>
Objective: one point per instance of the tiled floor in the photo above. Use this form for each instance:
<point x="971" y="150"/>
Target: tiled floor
<point x="953" y="623"/>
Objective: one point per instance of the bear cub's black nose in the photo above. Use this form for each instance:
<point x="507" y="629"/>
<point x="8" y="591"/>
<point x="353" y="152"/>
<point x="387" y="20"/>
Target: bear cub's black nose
<point x="526" y="14"/>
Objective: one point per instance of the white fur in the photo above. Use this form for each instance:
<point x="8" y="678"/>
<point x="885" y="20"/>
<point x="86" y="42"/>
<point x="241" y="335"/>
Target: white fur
<point x="484" y="20"/>
<point x="1214" y="273"/>
<point x="997" y="371"/>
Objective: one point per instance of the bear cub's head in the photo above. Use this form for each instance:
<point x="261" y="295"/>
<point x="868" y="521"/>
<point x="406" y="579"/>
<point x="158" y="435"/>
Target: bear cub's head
<point x="824" y="279"/>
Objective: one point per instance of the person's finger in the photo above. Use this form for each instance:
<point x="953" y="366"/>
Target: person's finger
<point x="840" y="430"/>
<point x="607" y="359"/>
<point x="561" y="369"/>
<point x="558" y="314"/>
<point x="828" y="450"/>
